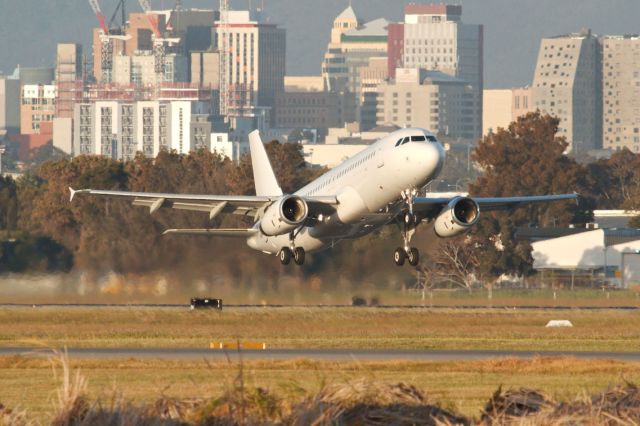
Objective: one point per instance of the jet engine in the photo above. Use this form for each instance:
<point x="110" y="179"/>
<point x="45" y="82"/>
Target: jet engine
<point x="284" y="216"/>
<point x="457" y="217"/>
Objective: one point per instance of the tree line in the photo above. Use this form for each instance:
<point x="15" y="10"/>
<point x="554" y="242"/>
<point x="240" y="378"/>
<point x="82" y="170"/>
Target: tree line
<point x="100" y="235"/>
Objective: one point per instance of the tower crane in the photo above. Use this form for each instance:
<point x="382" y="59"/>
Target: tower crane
<point x="106" y="37"/>
<point x="158" y="40"/>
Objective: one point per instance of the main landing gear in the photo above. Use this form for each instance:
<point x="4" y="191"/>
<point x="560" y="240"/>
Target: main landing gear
<point x="297" y="254"/>
<point x="287" y="253"/>
<point x="409" y="224"/>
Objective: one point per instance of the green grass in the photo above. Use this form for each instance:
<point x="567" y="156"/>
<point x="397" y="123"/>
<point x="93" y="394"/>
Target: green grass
<point x="601" y="330"/>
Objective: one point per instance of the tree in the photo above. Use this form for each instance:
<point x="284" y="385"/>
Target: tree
<point x="527" y="158"/>
<point x="455" y="261"/>
<point x="616" y="181"/>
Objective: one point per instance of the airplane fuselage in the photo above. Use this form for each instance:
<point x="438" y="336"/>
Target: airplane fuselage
<point x="366" y="186"/>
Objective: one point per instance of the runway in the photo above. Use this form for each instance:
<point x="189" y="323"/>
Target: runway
<point x="168" y="306"/>
<point x="338" y="355"/>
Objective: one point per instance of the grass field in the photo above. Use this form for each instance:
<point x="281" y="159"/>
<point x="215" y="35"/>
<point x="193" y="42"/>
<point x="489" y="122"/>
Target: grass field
<point x="28" y="384"/>
<point x="600" y="330"/>
<point x="464" y="387"/>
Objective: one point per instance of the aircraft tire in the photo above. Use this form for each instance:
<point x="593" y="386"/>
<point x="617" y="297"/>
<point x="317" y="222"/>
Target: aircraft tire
<point x="399" y="256"/>
<point x="413" y="256"/>
<point x="285" y="255"/>
<point x="298" y="256"/>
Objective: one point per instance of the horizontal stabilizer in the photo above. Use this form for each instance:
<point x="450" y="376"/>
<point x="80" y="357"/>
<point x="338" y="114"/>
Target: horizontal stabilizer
<point x="240" y="233"/>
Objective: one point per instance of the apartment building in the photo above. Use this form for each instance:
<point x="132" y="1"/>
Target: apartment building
<point x="567" y="84"/>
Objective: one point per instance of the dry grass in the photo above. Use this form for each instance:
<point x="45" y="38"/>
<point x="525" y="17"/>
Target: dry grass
<point x="458" y="387"/>
<point x="320" y="328"/>
<point x="355" y="401"/>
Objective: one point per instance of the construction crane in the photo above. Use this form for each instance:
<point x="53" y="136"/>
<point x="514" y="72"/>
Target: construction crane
<point x="107" y="38"/>
<point x="223" y="49"/>
<point x="158" y="40"/>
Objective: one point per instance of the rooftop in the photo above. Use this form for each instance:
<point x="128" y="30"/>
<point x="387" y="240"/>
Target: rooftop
<point x="377" y="27"/>
<point x="347" y="15"/>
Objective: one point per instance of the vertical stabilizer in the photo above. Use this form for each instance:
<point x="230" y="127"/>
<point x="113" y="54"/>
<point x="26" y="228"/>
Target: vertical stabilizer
<point x="263" y="176"/>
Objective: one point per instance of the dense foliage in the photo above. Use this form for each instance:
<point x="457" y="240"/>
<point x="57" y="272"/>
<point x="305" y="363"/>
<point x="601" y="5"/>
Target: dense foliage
<point x="107" y="235"/>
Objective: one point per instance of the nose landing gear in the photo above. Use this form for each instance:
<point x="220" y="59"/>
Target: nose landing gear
<point x="409" y="224"/>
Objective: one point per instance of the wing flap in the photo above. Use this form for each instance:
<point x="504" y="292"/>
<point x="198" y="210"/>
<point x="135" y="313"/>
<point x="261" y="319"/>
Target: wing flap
<point x="234" y="233"/>
<point x="504" y="203"/>
<point x="430" y="204"/>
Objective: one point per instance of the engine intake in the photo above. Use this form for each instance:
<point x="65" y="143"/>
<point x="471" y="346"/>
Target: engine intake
<point x="457" y="217"/>
<point x="284" y="216"/>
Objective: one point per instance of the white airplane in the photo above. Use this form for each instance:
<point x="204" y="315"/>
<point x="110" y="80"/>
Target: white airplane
<point x="375" y="187"/>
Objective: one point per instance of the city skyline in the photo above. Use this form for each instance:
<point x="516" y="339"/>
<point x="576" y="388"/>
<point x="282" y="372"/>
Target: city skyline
<point x="505" y="66"/>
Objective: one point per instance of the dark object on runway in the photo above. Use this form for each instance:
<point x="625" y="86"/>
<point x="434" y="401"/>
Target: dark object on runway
<point x="358" y="301"/>
<point x="197" y="303"/>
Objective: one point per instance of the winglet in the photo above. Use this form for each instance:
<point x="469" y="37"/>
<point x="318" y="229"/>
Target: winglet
<point x="73" y="192"/>
<point x="263" y="176"/>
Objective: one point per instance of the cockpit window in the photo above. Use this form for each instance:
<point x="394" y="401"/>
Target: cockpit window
<point x="405" y="140"/>
<point x="417" y="139"/>
<point x="431" y="138"/>
<point x="399" y="141"/>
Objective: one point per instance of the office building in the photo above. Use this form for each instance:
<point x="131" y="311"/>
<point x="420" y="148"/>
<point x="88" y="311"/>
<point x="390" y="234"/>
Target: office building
<point x="352" y="45"/>
<point x="435" y="38"/>
<point x="256" y="66"/>
<point x="431" y="100"/>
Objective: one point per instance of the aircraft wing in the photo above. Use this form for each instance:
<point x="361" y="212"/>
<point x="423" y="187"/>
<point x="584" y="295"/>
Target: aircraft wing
<point x="428" y="205"/>
<point x="247" y="205"/>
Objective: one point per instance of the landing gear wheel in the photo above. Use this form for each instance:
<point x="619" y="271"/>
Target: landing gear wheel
<point x="299" y="255"/>
<point x="399" y="255"/>
<point x="285" y="255"/>
<point x="414" y="256"/>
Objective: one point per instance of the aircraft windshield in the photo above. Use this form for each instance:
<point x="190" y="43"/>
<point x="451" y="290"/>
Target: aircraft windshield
<point x="417" y="138"/>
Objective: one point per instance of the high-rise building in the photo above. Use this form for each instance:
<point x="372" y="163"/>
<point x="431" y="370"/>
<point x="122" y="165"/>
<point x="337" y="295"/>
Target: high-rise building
<point x="140" y="69"/>
<point x="351" y="46"/>
<point x="429" y="99"/>
<point x="119" y="129"/>
<point x="395" y="47"/>
<point x="567" y="84"/>
<point x="435" y="38"/>
<point x="205" y="69"/>
<point x="256" y="66"/>
<point x="68" y="78"/>
<point x="371" y="76"/>
<point x="9" y="106"/>
<point x="621" y="92"/>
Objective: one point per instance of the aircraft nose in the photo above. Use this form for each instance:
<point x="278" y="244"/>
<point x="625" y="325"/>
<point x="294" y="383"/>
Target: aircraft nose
<point x="433" y="157"/>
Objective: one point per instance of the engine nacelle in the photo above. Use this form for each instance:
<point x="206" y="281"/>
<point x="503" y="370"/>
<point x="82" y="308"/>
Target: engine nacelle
<point x="457" y="217"/>
<point x="284" y="216"/>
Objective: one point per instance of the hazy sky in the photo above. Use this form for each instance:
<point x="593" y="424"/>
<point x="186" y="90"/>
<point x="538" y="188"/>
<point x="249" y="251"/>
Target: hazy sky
<point x="29" y="29"/>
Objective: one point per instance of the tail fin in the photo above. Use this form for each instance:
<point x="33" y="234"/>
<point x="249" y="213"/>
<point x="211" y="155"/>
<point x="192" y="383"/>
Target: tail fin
<point x="263" y="176"/>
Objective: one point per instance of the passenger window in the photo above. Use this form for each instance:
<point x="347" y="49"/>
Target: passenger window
<point x="418" y="139"/>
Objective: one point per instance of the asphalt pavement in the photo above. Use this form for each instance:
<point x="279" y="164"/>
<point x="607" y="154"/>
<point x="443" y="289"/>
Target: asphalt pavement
<point x="342" y="355"/>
